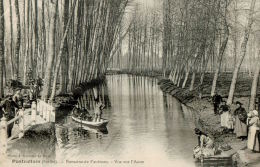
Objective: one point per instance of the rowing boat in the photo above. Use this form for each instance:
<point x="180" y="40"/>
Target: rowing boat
<point x="101" y="123"/>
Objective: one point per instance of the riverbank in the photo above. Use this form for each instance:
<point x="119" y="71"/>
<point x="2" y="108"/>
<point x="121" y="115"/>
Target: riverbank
<point x="209" y="122"/>
<point x="147" y="73"/>
<point x="68" y="100"/>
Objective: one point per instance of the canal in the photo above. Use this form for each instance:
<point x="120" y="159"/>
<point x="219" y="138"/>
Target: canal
<point x="146" y="128"/>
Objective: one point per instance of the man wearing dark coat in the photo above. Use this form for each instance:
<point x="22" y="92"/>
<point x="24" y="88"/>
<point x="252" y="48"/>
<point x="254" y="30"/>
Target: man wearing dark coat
<point x="217" y="99"/>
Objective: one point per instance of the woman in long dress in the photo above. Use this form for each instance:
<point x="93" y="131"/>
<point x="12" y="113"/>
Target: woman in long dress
<point x="253" y="134"/>
<point x="240" y="121"/>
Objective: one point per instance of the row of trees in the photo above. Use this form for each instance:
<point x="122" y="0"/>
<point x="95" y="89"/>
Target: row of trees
<point x="186" y="39"/>
<point x="65" y="41"/>
<point x="142" y="40"/>
<point x="199" y="35"/>
<point x="200" y="32"/>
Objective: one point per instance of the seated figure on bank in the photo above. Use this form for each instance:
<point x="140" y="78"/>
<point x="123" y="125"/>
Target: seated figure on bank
<point x="205" y="147"/>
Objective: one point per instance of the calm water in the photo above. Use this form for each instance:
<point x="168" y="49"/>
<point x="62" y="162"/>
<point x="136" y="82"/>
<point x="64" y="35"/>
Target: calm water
<point x="145" y="125"/>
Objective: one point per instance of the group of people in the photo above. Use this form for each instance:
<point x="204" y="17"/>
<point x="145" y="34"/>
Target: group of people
<point x="84" y="114"/>
<point x="9" y="107"/>
<point x="244" y="125"/>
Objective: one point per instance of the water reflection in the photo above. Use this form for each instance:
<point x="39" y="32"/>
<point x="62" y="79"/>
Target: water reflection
<point x="87" y="100"/>
<point x="142" y="120"/>
<point x="144" y="124"/>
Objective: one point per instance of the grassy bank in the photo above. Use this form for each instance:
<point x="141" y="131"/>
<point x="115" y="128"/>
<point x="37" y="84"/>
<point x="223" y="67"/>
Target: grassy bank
<point x="210" y="123"/>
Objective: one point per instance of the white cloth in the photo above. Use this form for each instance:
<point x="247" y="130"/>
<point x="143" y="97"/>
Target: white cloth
<point x="199" y="152"/>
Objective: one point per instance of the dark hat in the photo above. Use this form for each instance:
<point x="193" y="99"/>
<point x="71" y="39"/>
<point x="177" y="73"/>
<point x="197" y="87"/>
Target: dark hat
<point x="238" y="102"/>
<point x="197" y="131"/>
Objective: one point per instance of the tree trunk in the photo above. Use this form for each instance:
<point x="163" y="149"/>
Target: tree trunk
<point x="35" y="39"/>
<point x="11" y="40"/>
<point x="2" y="47"/>
<point x="64" y="68"/>
<point x="254" y="86"/>
<point x="24" y="42"/>
<point x="179" y="79"/>
<point x="235" y="40"/>
<point x="221" y="53"/>
<point x="53" y="5"/>
<point x="28" y="42"/>
<point x="186" y="76"/>
<point x="18" y="39"/>
<point x="56" y="71"/>
<point x="192" y="81"/>
<point x="242" y="53"/>
<point x="43" y="40"/>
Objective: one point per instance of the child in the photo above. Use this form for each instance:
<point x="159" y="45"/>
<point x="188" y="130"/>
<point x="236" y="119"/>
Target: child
<point x="231" y="121"/>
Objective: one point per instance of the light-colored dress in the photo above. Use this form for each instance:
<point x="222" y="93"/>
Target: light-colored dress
<point x="253" y="138"/>
<point x="225" y="116"/>
<point x="224" y="119"/>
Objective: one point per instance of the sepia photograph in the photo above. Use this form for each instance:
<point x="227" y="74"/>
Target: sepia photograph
<point x="129" y="83"/>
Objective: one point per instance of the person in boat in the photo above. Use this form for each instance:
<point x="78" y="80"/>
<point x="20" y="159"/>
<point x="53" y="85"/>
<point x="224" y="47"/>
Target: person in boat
<point x="85" y="114"/>
<point x="217" y="99"/>
<point x="9" y="107"/>
<point x="224" y="112"/>
<point x="205" y="147"/>
<point x="240" y="121"/>
<point x="31" y="93"/>
<point x="98" y="110"/>
<point x="76" y="111"/>
<point x="253" y="133"/>
<point x="36" y="90"/>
